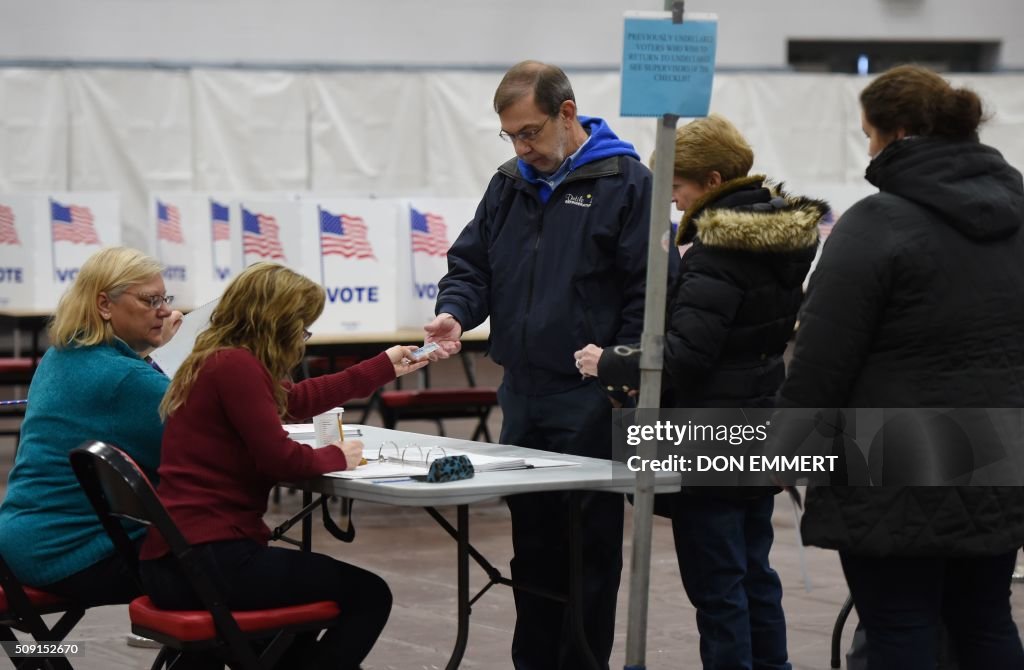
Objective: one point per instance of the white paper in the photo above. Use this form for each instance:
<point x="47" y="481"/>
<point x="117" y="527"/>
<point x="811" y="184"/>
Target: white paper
<point x="170" y="356"/>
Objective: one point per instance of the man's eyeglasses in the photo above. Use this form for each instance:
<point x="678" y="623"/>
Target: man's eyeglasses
<point x="306" y="335"/>
<point x="523" y="135"/>
<point x="154" y="301"/>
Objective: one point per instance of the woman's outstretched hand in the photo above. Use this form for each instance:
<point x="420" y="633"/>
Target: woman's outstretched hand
<point x="402" y="358"/>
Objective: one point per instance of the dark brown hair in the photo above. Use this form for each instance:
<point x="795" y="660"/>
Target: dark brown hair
<point x="549" y="85"/>
<point x="921" y="102"/>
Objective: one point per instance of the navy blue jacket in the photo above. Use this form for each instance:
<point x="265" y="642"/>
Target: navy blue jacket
<point x="555" y="273"/>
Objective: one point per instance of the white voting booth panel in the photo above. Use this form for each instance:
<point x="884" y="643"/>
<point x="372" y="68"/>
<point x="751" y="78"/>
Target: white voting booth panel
<point x="198" y="240"/>
<point x="429" y="227"/>
<point x="271" y="227"/>
<point x="45" y="238"/>
<point x="350" y="246"/>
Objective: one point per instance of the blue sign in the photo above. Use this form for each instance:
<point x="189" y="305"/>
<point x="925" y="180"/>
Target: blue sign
<point x="668" y="68"/>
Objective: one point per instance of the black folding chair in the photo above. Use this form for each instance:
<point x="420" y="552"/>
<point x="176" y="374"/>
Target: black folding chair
<point x="118" y="489"/>
<point x="22" y="607"/>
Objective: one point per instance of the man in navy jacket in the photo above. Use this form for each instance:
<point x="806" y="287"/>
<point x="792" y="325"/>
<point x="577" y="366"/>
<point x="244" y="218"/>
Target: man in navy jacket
<point x="556" y="256"/>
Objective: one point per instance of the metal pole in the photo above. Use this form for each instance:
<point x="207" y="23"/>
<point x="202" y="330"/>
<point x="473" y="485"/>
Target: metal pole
<point x="651" y="362"/>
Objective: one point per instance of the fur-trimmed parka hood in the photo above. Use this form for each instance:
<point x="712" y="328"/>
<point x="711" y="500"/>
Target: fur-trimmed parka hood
<point x="751" y="214"/>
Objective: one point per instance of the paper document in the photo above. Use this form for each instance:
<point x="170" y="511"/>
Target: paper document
<point x="170" y="356"/>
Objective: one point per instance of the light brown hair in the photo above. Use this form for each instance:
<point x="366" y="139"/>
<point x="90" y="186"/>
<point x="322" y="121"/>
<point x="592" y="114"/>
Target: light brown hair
<point x="265" y="309"/>
<point x="711" y="144"/>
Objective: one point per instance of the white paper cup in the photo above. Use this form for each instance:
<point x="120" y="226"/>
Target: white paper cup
<point x="328" y="426"/>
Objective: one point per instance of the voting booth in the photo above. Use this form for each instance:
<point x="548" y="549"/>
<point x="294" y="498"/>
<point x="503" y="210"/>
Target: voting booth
<point x="199" y="241"/>
<point x="349" y="246"/>
<point x="429" y="228"/>
<point x="45" y="238"/>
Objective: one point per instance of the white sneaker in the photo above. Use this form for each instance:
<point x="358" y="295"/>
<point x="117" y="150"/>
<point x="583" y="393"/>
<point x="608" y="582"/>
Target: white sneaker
<point x="133" y="640"/>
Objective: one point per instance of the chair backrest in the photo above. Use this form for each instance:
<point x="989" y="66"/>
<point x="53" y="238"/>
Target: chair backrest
<point x="117" y="488"/>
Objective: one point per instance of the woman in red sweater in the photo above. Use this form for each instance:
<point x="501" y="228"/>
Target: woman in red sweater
<point x="224" y="448"/>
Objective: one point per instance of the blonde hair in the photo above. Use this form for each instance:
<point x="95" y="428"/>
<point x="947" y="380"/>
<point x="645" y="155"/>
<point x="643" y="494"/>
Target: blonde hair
<point x="113" y="270"/>
<point x="711" y="144"/>
<point x="265" y="310"/>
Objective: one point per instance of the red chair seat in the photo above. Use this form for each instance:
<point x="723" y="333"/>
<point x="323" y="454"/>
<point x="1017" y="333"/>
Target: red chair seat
<point x="195" y="625"/>
<point x="441" y="397"/>
<point x="11" y="365"/>
<point x="41" y="600"/>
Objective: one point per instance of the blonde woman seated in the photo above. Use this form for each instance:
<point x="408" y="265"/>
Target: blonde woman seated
<point x="93" y="383"/>
<point x="224" y="448"/>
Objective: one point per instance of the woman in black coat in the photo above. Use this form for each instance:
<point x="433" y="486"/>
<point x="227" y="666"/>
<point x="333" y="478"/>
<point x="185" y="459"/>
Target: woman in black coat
<point x="916" y="303"/>
<point x="731" y="311"/>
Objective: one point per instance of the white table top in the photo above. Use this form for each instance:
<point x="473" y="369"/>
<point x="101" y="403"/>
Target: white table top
<point x="592" y="474"/>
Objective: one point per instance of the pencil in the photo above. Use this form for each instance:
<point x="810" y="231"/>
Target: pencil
<point x="341" y="434"/>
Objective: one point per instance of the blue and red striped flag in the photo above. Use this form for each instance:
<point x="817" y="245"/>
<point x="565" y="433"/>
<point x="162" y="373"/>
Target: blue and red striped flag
<point x="8" y="233"/>
<point x="168" y="223"/>
<point x="260" y="235"/>
<point x="429" y="234"/>
<point x="220" y="219"/>
<point x="72" y="224"/>
<point x="344" y="235"/>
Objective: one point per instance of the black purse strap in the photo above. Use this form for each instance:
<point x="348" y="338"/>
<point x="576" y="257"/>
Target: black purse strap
<point x="349" y="533"/>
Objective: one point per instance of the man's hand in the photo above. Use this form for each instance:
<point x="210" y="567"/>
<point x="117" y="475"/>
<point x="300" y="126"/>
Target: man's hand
<point x="445" y="331"/>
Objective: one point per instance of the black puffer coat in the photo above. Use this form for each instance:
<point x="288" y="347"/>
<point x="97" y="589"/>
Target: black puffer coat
<point x="918" y="301"/>
<point x="732" y="307"/>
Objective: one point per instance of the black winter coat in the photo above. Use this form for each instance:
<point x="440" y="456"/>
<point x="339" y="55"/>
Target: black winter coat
<point x="917" y="302"/>
<point x="733" y="305"/>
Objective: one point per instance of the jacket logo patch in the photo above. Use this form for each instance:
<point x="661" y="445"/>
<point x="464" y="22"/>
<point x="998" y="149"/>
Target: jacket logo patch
<point x="579" y="200"/>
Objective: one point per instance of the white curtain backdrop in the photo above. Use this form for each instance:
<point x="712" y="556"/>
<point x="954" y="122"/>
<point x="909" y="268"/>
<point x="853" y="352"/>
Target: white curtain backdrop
<point x="33" y="130"/>
<point x="251" y="130"/>
<point x="366" y="132"/>
<point x="131" y="133"/>
<point x="385" y="132"/>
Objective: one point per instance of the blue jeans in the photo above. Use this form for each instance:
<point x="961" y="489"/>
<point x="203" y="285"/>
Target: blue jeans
<point x="722" y="546"/>
<point x="902" y="603"/>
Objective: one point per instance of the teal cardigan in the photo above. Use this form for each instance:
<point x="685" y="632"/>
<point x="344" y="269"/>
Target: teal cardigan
<point x="48" y="530"/>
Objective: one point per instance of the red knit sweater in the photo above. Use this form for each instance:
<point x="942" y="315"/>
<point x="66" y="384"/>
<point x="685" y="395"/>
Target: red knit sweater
<point x="224" y="449"/>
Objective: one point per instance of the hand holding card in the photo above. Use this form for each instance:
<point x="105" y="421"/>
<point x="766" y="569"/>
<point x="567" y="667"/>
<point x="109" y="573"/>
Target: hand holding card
<point x="424" y="351"/>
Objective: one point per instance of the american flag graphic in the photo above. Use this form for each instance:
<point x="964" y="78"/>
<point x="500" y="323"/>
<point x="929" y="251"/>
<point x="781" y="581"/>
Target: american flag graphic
<point x="72" y="224"/>
<point x="429" y="234"/>
<point x="220" y="218"/>
<point x="168" y="223"/>
<point x="8" y="233"/>
<point x="259" y="235"/>
<point x="343" y="235"/>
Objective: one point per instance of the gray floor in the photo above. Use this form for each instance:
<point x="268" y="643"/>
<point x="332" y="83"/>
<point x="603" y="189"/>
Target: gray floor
<point x="417" y="559"/>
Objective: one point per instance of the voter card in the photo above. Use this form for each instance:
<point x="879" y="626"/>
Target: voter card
<point x="424" y="350"/>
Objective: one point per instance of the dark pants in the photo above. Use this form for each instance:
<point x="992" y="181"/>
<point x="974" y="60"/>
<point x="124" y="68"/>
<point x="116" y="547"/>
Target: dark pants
<point x="573" y="422"/>
<point x="722" y="547"/>
<point x="903" y="601"/>
<point x="252" y="576"/>
<point x="108" y="582"/>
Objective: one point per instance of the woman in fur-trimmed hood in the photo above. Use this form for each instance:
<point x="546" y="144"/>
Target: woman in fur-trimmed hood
<point x="731" y="310"/>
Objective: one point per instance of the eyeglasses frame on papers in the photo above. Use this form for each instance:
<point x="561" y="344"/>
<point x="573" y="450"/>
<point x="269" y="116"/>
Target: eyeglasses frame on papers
<point x="154" y="301"/>
<point x="524" y="135"/>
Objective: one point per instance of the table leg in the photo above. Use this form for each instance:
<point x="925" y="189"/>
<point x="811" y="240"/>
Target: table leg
<point x="307" y="521"/>
<point x="463" y="587"/>
<point x="576" y="581"/>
